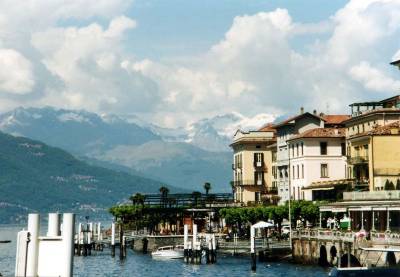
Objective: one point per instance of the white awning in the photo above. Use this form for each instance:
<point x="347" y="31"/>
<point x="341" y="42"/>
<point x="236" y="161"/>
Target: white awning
<point x="333" y="209"/>
<point x="394" y="208"/>
<point x="360" y="208"/>
<point x="262" y="224"/>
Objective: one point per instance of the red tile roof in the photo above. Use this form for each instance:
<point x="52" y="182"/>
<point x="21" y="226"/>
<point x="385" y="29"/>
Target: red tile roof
<point x="267" y="127"/>
<point x="322" y="133"/>
<point x="335" y="118"/>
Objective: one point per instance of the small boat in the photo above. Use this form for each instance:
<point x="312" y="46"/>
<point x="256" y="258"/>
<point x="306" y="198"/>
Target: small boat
<point x="5" y="241"/>
<point x="168" y="252"/>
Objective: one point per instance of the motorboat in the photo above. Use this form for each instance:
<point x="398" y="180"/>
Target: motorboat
<point x="370" y="270"/>
<point x="168" y="252"/>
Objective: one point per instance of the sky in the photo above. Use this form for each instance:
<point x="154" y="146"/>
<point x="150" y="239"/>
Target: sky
<point x="178" y="61"/>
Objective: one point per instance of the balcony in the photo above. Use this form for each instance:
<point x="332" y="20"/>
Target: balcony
<point x="358" y="159"/>
<point x="236" y="166"/>
<point x="259" y="166"/>
<point x="254" y="183"/>
<point x="271" y="190"/>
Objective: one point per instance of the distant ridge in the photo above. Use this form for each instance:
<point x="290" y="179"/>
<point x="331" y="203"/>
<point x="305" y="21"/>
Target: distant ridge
<point x="35" y="177"/>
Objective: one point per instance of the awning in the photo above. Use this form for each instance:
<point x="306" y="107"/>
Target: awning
<point x="262" y="224"/>
<point x="333" y="209"/>
<point x="360" y="209"/>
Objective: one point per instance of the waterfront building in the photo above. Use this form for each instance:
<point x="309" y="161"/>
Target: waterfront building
<point x="317" y="159"/>
<point x="286" y="131"/>
<point x="252" y="166"/>
<point x="373" y="143"/>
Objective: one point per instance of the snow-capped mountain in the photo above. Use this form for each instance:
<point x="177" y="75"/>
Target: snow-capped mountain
<point x="185" y="157"/>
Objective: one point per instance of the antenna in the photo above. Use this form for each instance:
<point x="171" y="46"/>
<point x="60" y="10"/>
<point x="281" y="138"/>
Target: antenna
<point x="327" y="107"/>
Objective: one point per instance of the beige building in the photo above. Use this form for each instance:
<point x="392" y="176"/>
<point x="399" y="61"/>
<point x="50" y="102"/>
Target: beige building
<point x="369" y="138"/>
<point x="374" y="157"/>
<point x="252" y="167"/>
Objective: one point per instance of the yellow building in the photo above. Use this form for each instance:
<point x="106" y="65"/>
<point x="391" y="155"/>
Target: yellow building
<point x="373" y="144"/>
<point x="253" y="180"/>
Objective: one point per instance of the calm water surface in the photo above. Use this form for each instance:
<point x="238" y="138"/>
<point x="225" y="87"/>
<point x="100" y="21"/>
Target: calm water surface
<point x="136" y="264"/>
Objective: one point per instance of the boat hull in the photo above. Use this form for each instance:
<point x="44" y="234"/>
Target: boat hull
<point x="167" y="254"/>
<point x="365" y="272"/>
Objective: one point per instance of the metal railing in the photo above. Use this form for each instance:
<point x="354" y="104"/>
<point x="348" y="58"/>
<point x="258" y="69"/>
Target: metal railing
<point x="359" y="159"/>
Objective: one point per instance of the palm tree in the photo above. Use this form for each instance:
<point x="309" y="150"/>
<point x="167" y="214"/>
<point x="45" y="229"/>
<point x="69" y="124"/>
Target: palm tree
<point x="164" y="193"/>
<point x="207" y="187"/>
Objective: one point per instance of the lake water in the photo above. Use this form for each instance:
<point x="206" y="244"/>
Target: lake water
<point x="136" y="264"/>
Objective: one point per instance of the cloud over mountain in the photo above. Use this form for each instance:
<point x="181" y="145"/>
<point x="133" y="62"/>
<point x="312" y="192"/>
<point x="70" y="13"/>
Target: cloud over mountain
<point x="75" y="54"/>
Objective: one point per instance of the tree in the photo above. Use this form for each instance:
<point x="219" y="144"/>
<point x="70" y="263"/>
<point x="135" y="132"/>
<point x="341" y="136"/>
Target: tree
<point x="389" y="185"/>
<point x="207" y="187"/>
<point x="398" y="184"/>
<point x="278" y="214"/>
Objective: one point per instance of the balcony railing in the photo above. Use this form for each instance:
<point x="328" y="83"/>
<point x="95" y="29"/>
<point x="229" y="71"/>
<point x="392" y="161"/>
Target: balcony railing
<point x="236" y="166"/>
<point x="358" y="159"/>
<point x="258" y="164"/>
<point x="259" y="183"/>
<point x="371" y="195"/>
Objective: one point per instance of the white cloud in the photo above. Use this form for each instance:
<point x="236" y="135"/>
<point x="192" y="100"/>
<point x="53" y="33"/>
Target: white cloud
<point x="16" y="74"/>
<point x="373" y="79"/>
<point x="255" y="68"/>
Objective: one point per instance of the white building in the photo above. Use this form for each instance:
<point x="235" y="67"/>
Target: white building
<point x="317" y="155"/>
<point x="285" y="131"/>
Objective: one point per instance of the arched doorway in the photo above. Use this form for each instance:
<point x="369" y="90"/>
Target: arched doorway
<point x="354" y="262"/>
<point x="390" y="259"/>
<point x="333" y="252"/>
<point x="323" y="257"/>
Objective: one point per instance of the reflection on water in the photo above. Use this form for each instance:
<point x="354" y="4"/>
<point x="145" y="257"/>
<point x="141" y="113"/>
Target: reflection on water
<point x="136" y="264"/>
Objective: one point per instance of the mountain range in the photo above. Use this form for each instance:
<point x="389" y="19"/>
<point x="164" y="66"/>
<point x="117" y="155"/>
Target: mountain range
<point x="38" y="178"/>
<point x="183" y="157"/>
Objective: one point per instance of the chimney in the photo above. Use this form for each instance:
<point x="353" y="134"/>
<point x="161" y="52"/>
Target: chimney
<point x="321" y="114"/>
<point x="301" y="110"/>
<point x="314" y="112"/>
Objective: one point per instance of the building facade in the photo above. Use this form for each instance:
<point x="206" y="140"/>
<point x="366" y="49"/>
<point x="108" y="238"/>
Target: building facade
<point x="286" y="130"/>
<point x="252" y="167"/>
<point x="372" y="143"/>
<point x="317" y="155"/>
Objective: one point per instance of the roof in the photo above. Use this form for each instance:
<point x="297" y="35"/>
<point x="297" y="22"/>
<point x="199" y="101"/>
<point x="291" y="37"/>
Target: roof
<point x="335" y="118"/>
<point x="322" y="133"/>
<point x="376" y="103"/>
<point x="293" y="118"/>
<point x="372" y="112"/>
<point x="390" y="129"/>
<point x="395" y="62"/>
<point x="267" y="127"/>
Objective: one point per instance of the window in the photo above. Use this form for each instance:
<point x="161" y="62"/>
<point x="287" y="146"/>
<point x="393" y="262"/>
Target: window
<point x="302" y="171"/>
<point x="258" y="159"/>
<point x="323" y="147"/>
<point x="258" y="146"/>
<point x="302" y="148"/>
<point x="324" y="170"/>
<point x="293" y="172"/>
<point x="298" y="172"/>
<point x="297" y="149"/>
<point x="343" y="145"/>
<point x="259" y="178"/>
